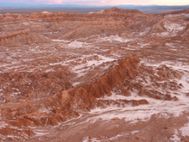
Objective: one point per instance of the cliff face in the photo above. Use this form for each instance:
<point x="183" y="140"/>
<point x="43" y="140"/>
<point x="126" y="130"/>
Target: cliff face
<point x="21" y="37"/>
<point x="115" y="76"/>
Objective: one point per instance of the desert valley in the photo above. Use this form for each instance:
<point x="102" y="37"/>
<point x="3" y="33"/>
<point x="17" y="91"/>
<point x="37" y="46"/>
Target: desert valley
<point x="114" y="75"/>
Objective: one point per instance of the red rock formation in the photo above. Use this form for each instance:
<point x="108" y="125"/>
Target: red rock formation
<point x="21" y="37"/>
<point x="59" y="107"/>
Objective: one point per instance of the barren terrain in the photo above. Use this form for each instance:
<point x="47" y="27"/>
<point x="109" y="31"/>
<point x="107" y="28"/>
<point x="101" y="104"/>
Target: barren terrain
<point x="108" y="76"/>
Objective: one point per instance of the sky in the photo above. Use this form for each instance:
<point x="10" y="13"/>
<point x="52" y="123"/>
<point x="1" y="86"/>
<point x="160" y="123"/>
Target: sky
<point x="100" y="2"/>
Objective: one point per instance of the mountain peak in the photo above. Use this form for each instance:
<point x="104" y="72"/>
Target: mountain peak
<point x="115" y="10"/>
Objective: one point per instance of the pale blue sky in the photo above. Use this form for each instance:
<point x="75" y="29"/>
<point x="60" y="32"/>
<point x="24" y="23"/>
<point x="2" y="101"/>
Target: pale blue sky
<point x="102" y="2"/>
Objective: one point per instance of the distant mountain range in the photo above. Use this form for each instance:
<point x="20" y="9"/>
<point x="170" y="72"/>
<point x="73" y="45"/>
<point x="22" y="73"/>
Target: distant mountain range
<point x="155" y="8"/>
<point x="9" y="7"/>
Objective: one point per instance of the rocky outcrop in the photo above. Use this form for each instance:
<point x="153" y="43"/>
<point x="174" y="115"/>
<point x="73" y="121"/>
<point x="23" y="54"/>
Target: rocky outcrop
<point x="126" y="69"/>
<point x="33" y="85"/>
<point x="21" y="37"/>
<point x="69" y="103"/>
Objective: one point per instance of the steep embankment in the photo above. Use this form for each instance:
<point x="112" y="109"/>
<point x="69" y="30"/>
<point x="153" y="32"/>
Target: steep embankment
<point x="61" y="106"/>
<point x="21" y="37"/>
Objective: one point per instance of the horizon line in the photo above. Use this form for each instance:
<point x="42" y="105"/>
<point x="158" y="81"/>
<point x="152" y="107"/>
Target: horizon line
<point x="80" y="5"/>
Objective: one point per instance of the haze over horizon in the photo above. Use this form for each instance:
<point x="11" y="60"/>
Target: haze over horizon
<point x="95" y="2"/>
